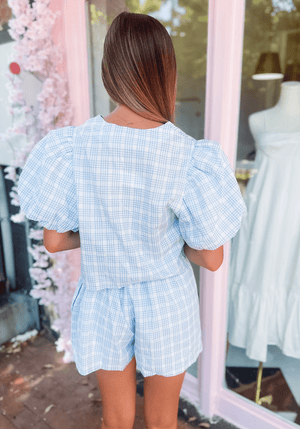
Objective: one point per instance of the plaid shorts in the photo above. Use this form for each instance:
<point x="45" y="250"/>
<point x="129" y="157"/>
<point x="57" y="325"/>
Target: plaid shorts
<point x="158" y="322"/>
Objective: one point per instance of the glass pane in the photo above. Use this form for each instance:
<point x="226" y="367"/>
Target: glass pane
<point x="264" y="277"/>
<point x="186" y="22"/>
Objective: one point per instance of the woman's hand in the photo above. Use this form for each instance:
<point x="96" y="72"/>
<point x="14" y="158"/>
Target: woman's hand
<point x="209" y="259"/>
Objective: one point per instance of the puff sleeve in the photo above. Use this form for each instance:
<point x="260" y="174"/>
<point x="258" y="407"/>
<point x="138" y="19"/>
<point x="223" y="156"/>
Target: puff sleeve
<point x="46" y="186"/>
<point x="212" y="206"/>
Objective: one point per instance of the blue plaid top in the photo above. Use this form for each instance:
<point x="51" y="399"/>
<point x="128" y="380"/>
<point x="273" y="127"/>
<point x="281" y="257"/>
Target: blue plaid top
<point x="135" y="195"/>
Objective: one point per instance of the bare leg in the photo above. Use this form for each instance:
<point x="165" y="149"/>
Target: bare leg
<point x="118" y="391"/>
<point x="161" y="399"/>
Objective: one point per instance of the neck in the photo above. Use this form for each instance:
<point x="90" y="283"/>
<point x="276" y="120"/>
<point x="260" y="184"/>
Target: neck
<point x="289" y="100"/>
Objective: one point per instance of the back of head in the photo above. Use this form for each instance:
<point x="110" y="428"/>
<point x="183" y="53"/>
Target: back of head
<point x="139" y="66"/>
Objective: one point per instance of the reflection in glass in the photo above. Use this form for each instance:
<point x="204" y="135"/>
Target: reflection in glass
<point x="187" y="25"/>
<point x="263" y="348"/>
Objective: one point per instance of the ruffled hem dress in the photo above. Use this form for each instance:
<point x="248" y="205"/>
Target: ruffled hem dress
<point x="264" y="276"/>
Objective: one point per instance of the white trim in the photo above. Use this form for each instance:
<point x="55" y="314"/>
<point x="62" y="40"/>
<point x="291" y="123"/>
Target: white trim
<point x="247" y="415"/>
<point x="224" y="67"/>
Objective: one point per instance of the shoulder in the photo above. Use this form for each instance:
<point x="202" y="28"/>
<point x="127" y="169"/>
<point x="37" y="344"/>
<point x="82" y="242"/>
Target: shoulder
<point x="89" y="126"/>
<point x="205" y="145"/>
<point x="180" y="133"/>
<point x="208" y="153"/>
<point x="57" y="143"/>
<point x="65" y="133"/>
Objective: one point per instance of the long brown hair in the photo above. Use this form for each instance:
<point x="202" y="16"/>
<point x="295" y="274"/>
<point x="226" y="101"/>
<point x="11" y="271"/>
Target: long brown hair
<point x="139" y="66"/>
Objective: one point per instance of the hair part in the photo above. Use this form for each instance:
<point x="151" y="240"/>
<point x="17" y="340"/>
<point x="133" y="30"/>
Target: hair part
<point x="139" y="66"/>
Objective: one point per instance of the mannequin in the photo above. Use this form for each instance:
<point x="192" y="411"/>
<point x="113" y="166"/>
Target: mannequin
<point x="284" y="117"/>
<point x="265" y="258"/>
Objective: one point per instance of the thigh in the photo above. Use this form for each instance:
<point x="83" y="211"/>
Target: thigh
<point x="161" y="399"/>
<point x="118" y="392"/>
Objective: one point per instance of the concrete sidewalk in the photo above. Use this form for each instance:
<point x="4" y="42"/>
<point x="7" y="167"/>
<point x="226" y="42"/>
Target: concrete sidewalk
<point x="39" y="391"/>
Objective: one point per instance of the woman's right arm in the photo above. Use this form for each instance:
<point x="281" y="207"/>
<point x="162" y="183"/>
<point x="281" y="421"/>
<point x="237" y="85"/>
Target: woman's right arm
<point x="209" y="259"/>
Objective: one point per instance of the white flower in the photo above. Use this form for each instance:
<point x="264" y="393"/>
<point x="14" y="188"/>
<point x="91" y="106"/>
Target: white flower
<point x="36" y="234"/>
<point x="18" y="218"/>
<point x="11" y="173"/>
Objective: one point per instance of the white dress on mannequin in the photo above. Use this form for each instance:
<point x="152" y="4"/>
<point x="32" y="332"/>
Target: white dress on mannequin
<point x="264" y="277"/>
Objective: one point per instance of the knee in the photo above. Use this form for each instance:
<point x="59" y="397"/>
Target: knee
<point x="161" y="423"/>
<point x="118" y="420"/>
<point x="124" y="425"/>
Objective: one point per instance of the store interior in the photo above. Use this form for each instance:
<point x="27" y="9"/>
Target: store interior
<point x="263" y="325"/>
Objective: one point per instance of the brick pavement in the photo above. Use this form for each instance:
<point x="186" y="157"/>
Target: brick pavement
<point x="39" y="391"/>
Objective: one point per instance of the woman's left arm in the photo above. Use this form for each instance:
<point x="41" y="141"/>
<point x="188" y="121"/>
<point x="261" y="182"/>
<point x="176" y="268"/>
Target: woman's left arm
<point x="57" y="242"/>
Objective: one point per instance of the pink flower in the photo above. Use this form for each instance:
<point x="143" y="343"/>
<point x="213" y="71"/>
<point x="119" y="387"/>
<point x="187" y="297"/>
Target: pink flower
<point x="35" y="52"/>
<point x="13" y="34"/>
<point x="25" y="20"/>
<point x="17" y="97"/>
<point x="18" y="6"/>
<point x="17" y="26"/>
<point x="33" y="63"/>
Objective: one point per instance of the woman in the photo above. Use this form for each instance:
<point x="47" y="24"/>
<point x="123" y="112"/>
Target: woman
<point x="146" y="199"/>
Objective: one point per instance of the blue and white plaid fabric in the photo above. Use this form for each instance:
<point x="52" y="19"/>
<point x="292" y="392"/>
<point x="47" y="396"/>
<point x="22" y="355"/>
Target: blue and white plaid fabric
<point x="135" y="195"/>
<point x="157" y="322"/>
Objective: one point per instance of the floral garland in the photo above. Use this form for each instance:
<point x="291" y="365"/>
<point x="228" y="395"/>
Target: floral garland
<point x="35" y="52"/>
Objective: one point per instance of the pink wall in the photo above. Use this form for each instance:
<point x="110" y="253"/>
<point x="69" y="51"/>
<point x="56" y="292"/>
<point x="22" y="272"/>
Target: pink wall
<point x="58" y="33"/>
<point x="69" y="34"/>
